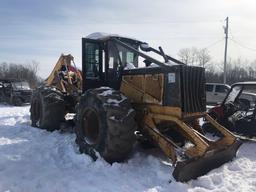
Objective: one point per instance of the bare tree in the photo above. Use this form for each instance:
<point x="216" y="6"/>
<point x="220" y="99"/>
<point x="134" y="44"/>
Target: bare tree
<point x="34" y="66"/>
<point x="237" y="70"/>
<point x="184" y="55"/>
<point x="26" y="72"/>
<point x="194" y="56"/>
<point x="203" y="57"/>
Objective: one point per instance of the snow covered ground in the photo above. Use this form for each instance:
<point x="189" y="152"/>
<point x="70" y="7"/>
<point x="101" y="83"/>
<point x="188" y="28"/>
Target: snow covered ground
<point x="36" y="160"/>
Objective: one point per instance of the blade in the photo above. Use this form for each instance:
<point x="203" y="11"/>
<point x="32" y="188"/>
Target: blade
<point x="193" y="168"/>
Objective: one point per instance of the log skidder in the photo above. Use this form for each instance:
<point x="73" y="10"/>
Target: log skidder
<point x="166" y="92"/>
<point x="116" y="97"/>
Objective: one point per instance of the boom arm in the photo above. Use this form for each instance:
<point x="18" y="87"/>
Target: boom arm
<point x="64" y="76"/>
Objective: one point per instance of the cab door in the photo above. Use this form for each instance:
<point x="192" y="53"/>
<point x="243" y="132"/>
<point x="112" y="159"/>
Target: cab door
<point x="92" y="64"/>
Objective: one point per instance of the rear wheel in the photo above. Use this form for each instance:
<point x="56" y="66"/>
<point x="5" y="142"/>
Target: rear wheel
<point x="47" y="108"/>
<point x="105" y="123"/>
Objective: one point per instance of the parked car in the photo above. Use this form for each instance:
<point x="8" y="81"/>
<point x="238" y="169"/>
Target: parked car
<point x="14" y="91"/>
<point x="237" y="112"/>
<point x="216" y="92"/>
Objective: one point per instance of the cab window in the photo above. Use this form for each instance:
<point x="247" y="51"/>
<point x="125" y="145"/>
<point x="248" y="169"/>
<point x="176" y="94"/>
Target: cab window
<point x="209" y="88"/>
<point x="92" y="60"/>
<point x="114" y="57"/>
<point x="120" y="56"/>
<point x="221" y="89"/>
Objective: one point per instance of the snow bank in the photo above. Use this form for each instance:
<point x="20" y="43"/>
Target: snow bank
<point x="36" y="160"/>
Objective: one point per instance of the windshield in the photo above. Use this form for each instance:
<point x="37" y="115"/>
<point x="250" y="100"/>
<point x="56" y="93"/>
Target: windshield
<point x="137" y="55"/>
<point x="243" y="92"/>
<point x="121" y="56"/>
<point x="20" y="85"/>
<point x="233" y="94"/>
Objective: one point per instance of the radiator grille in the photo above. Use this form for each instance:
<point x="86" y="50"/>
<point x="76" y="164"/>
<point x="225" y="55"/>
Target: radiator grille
<point x="193" y="89"/>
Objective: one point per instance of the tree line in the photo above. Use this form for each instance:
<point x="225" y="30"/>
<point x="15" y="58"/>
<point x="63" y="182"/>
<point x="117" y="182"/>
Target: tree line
<point x="25" y="72"/>
<point x="237" y="70"/>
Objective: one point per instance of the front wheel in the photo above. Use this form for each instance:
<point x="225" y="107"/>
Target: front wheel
<point x="105" y="123"/>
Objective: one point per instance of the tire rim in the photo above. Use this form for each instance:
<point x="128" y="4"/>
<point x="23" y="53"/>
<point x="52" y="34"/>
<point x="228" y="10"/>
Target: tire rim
<point x="91" y="126"/>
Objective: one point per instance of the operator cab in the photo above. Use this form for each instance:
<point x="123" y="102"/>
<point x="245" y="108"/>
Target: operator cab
<point x="106" y="56"/>
<point x="104" y="60"/>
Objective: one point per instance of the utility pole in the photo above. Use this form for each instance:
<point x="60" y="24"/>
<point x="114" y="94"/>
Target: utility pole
<point x="225" y="54"/>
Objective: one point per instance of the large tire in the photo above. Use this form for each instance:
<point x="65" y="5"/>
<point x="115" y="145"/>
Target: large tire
<point x="105" y="123"/>
<point x="47" y="109"/>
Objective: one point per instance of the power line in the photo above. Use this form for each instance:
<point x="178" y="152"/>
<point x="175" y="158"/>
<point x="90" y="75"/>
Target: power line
<point x="230" y="32"/>
<point x="214" y="43"/>
<point x="239" y="43"/>
<point x="243" y="46"/>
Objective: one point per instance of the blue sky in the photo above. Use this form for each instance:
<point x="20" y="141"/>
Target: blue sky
<point x="41" y="30"/>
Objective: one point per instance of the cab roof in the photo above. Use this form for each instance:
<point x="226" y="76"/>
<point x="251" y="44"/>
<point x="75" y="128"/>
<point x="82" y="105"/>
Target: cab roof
<point x="245" y="83"/>
<point x="106" y="36"/>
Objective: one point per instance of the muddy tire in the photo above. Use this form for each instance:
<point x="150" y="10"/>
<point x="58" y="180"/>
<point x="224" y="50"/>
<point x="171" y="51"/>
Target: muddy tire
<point x="105" y="123"/>
<point x="47" y="109"/>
